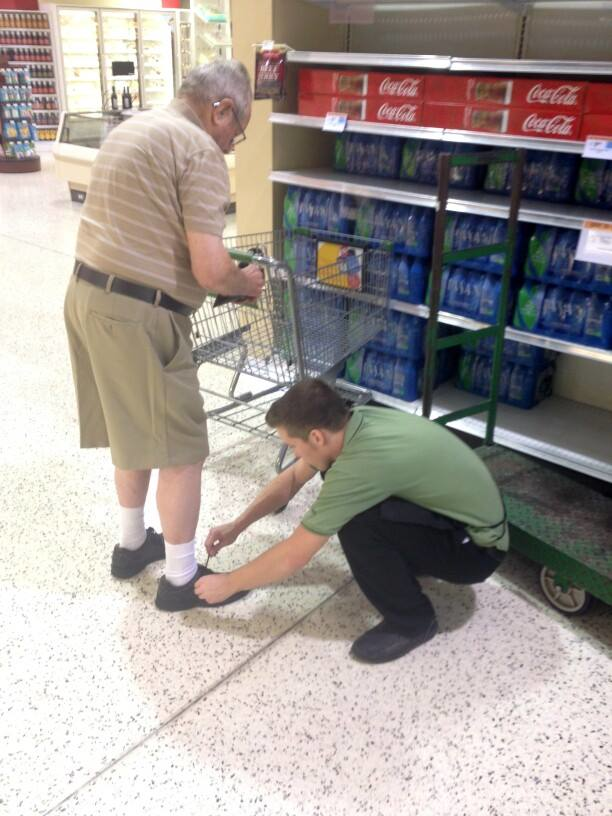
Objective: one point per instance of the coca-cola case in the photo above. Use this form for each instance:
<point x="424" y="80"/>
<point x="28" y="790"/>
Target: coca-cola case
<point x="507" y="92"/>
<point x="332" y="83"/>
<point x="385" y="111"/>
<point x="394" y="111"/>
<point x="596" y="124"/>
<point x="599" y="98"/>
<point x="320" y="105"/>
<point x="407" y="87"/>
<point x="535" y="122"/>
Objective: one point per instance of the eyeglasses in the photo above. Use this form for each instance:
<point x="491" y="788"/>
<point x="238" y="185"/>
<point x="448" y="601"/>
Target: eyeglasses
<point x="242" y="135"/>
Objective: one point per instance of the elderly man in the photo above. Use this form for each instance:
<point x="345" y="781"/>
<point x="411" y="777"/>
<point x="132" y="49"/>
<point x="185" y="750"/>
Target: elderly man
<point x="149" y="247"/>
<point x="405" y="496"/>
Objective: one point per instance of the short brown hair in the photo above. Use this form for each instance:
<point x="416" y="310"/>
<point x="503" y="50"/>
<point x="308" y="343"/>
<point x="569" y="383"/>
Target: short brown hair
<point x="309" y="404"/>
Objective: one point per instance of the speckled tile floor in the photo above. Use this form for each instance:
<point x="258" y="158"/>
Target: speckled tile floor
<point x="111" y="707"/>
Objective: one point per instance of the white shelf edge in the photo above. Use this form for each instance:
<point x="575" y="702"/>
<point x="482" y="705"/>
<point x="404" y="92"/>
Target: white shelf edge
<point x="438" y="62"/>
<point x="475" y="202"/>
<point x="435" y="134"/>
<point x="506" y="431"/>
<point x="384" y="61"/>
<point x="562" y="346"/>
<point x="556" y="67"/>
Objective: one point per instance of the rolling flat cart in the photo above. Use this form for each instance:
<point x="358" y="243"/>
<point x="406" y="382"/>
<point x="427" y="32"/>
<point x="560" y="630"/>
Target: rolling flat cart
<point x="310" y="317"/>
<point x="559" y="523"/>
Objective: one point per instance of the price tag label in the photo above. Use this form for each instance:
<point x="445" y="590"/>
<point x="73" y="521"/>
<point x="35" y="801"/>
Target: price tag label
<point x="336" y="122"/>
<point x="595" y="243"/>
<point x="598" y="147"/>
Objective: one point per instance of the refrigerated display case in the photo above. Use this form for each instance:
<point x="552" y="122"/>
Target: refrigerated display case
<point x="80" y="55"/>
<point x="78" y="139"/>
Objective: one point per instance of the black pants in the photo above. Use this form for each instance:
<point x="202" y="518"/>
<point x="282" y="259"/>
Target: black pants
<point x="391" y="544"/>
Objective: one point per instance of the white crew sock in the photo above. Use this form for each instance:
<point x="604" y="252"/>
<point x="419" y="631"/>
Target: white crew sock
<point x="181" y="564"/>
<point x="132" y="531"/>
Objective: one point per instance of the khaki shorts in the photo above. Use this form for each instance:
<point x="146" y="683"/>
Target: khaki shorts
<point x="136" y="383"/>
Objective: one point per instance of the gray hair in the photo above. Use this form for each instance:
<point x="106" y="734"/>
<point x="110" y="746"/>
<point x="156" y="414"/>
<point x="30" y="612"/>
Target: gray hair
<point x="218" y="80"/>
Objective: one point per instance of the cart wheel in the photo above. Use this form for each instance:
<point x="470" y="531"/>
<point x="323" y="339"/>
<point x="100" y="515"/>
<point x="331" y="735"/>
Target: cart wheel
<point x="571" y="600"/>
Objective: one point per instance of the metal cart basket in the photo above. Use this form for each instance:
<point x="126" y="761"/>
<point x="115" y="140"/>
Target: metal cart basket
<point x="310" y="317"/>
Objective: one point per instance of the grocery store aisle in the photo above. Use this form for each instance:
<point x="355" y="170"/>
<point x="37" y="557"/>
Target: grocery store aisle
<point x="112" y="707"/>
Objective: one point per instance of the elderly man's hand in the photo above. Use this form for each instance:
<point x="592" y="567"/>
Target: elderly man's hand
<point x="254" y="280"/>
<point x="215" y="588"/>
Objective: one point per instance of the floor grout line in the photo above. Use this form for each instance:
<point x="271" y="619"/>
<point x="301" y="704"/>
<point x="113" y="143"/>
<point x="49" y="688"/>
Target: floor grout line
<point x="195" y="701"/>
<point x="38" y="246"/>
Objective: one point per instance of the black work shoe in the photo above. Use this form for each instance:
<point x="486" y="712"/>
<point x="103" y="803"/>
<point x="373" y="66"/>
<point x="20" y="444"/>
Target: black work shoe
<point x="128" y="563"/>
<point x="171" y="598"/>
<point x="386" y="642"/>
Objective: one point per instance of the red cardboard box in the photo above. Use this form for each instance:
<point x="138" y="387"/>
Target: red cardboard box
<point x="594" y="124"/>
<point x="507" y="92"/>
<point x="387" y="111"/>
<point x="361" y="84"/>
<point x="332" y="83"/>
<point x="409" y="87"/>
<point x="599" y="98"/>
<point x="545" y="124"/>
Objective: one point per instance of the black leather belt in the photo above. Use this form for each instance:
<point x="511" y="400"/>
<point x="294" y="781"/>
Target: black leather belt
<point x="134" y="290"/>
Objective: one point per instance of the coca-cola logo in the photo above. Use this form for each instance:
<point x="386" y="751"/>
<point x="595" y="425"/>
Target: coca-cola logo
<point x="397" y="113"/>
<point x="559" y="95"/>
<point x="555" y="126"/>
<point x="399" y="87"/>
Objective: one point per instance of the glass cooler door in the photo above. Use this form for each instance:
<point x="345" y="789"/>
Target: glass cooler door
<point x="120" y="45"/>
<point x="157" y="36"/>
<point x="81" y="59"/>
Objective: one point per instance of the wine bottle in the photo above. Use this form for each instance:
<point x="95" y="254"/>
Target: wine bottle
<point x="114" y="102"/>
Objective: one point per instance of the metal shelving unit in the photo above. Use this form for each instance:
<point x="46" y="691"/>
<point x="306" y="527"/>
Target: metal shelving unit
<point x="558" y="430"/>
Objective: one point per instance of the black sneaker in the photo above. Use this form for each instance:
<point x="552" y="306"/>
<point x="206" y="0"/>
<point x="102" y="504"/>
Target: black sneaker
<point x="386" y="642"/>
<point x="171" y="598"/>
<point x="128" y="563"/>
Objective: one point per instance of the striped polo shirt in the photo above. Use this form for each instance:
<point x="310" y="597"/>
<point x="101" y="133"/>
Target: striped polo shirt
<point x="156" y="176"/>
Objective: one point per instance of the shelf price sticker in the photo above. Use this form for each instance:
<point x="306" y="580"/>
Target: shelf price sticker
<point x="335" y="122"/>
<point x="595" y="243"/>
<point x="598" y="147"/>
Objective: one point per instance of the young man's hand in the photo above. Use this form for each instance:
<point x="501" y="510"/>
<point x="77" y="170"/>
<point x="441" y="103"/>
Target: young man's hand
<point x="219" y="537"/>
<point x="215" y="588"/>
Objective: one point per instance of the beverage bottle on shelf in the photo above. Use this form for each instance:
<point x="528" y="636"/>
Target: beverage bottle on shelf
<point x="424" y="231"/>
<point x="564" y="250"/>
<point x="114" y="102"/>
<point x="598" y="321"/>
<point x="340" y="157"/>
<point x="553" y="308"/>
<point x="124" y="99"/>
<point x="382" y="220"/>
<point x="489" y="298"/>
<point x="405" y="384"/>
<point x="389" y="157"/>
<point x="409" y="160"/>
<point x="539" y="252"/>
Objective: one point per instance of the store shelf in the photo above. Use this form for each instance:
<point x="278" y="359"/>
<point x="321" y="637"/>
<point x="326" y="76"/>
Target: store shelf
<point x="562" y="346"/>
<point x="383" y="61"/>
<point x="474" y="202"/>
<point x="435" y="134"/>
<point x="566" y="433"/>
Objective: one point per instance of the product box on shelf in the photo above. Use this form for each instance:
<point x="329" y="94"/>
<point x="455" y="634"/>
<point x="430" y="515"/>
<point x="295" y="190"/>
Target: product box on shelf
<point x="534" y="122"/>
<point x="520" y="385"/>
<point x="558" y="94"/>
<point x="566" y="314"/>
<point x="596" y="124"/>
<point x="391" y="112"/>
<point x="361" y="84"/>
<point x="599" y="98"/>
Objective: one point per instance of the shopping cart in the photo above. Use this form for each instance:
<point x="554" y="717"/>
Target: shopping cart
<point x="309" y="318"/>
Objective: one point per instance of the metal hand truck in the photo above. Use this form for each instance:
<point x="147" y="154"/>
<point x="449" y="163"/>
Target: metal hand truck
<point x="309" y="318"/>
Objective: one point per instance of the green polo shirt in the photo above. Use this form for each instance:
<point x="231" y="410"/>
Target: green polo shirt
<point x="391" y="453"/>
